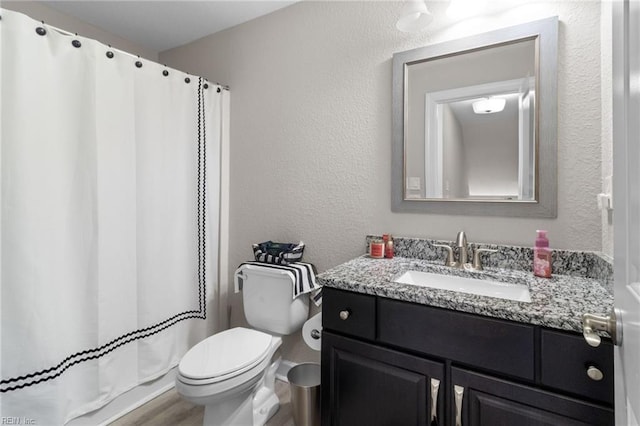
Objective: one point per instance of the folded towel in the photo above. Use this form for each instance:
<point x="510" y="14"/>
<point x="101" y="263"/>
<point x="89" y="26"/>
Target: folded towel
<point x="303" y="277"/>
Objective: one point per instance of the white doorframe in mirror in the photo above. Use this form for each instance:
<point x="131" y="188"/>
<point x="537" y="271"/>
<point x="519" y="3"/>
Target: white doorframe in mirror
<point x="444" y="173"/>
<point x="453" y="156"/>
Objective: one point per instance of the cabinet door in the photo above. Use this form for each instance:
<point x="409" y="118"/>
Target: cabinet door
<point x="363" y="384"/>
<point x="480" y="400"/>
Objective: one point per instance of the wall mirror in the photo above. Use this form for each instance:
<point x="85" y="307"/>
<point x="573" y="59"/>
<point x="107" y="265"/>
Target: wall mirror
<point x="475" y="124"/>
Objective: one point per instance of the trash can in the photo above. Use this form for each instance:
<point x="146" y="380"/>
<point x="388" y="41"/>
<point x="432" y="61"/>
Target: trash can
<point x="304" y="382"/>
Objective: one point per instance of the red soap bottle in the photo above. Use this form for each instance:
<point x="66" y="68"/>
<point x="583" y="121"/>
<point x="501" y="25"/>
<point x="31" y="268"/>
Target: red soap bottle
<point x="388" y="246"/>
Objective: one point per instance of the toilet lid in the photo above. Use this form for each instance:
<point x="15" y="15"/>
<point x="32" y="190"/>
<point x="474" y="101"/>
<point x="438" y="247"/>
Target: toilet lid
<point x="224" y="353"/>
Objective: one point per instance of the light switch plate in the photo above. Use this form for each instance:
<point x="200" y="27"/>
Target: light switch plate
<point x="413" y="184"/>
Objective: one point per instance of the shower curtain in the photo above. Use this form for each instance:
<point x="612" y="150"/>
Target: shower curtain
<point x="109" y="168"/>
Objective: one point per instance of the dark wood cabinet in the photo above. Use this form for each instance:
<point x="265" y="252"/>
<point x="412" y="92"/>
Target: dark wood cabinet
<point x="373" y="386"/>
<point x="501" y="346"/>
<point x="381" y="359"/>
<point x="565" y="360"/>
<point x="482" y="400"/>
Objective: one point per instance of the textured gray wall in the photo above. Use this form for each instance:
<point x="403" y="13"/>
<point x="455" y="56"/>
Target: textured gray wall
<point x="607" y="124"/>
<point x="311" y="130"/>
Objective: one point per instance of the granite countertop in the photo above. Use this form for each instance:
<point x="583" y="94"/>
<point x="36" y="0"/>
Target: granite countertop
<point x="556" y="302"/>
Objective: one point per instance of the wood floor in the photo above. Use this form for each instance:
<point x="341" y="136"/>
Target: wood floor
<point x="170" y="410"/>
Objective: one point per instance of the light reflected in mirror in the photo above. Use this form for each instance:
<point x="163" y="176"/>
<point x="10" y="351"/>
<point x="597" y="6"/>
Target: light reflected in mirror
<point x="471" y="123"/>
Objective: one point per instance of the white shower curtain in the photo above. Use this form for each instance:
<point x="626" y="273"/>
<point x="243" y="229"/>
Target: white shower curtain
<point x="109" y="219"/>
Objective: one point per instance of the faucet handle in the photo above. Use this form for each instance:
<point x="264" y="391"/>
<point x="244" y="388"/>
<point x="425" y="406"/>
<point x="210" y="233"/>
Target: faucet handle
<point x="477" y="264"/>
<point x="449" y="261"/>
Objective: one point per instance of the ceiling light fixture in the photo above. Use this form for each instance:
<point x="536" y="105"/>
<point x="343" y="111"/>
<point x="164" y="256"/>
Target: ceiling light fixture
<point x="489" y="105"/>
<point x="414" y="16"/>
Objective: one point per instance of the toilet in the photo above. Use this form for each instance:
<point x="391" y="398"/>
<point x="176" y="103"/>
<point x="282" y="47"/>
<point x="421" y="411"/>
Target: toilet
<point x="232" y="373"/>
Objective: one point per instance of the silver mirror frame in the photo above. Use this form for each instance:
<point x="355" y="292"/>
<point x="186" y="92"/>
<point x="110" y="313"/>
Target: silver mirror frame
<point x="545" y="205"/>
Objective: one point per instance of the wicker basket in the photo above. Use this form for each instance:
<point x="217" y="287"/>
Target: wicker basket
<point x="278" y="253"/>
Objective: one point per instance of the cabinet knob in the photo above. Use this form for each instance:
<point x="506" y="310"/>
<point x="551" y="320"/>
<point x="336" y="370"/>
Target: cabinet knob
<point x="594" y="373"/>
<point x="344" y="314"/>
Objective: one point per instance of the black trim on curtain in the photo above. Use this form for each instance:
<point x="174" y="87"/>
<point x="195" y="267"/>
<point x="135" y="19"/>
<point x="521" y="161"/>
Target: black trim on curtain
<point x="20" y="382"/>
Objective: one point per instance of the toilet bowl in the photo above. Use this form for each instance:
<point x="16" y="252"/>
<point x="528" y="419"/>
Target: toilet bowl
<point x="232" y="373"/>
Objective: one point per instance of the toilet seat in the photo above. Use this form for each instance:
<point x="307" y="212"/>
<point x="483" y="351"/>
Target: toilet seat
<point x="224" y="355"/>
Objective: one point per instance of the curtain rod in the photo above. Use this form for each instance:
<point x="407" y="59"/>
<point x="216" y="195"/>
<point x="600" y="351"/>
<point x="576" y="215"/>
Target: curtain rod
<point x="67" y="33"/>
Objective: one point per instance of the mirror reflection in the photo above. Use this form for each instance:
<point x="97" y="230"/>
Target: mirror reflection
<point x="470" y="124"/>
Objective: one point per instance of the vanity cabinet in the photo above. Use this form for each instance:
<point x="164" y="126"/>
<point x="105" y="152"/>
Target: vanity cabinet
<point x="370" y="385"/>
<point x="389" y="362"/>
<point x="482" y="400"/>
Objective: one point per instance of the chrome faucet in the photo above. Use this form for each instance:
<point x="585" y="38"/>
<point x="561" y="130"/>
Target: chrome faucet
<point x="463" y="254"/>
<point x="461" y="242"/>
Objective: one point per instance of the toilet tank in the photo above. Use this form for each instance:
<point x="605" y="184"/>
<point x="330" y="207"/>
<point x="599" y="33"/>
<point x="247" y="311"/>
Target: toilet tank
<point x="269" y="306"/>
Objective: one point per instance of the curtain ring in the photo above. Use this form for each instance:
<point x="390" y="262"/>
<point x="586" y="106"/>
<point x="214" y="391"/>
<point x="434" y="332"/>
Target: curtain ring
<point x="206" y="86"/>
<point x="76" y="43"/>
<point x="138" y="64"/>
<point x="110" y="54"/>
<point x="41" y="31"/>
<point x="165" y="73"/>
<point x="219" y="90"/>
<point x="187" y="80"/>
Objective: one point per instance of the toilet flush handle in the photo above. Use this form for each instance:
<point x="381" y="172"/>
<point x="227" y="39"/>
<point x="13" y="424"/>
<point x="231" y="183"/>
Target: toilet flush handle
<point x="236" y="276"/>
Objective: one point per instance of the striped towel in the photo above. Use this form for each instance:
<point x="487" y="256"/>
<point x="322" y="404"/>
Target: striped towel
<point x="303" y="277"/>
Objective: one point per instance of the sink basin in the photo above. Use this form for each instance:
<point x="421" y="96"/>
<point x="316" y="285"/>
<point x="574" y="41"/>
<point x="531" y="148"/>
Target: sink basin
<point x="516" y="292"/>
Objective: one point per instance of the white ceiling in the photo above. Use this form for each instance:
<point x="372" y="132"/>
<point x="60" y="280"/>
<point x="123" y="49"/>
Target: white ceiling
<point x="162" y="25"/>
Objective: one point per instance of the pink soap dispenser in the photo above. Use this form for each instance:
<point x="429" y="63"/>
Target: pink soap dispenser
<point x="542" y="256"/>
